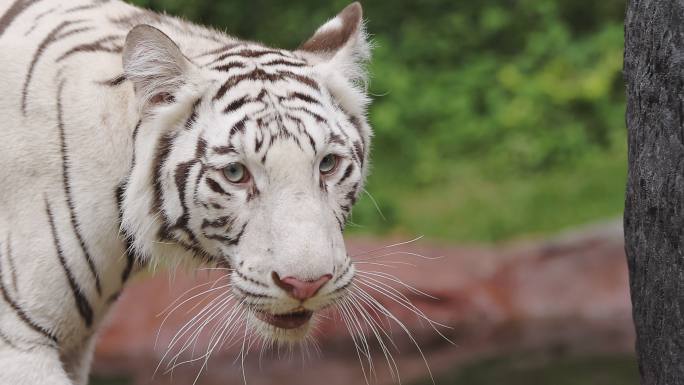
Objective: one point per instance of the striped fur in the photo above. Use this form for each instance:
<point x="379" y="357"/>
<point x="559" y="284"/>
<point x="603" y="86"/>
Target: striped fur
<point x="117" y="127"/>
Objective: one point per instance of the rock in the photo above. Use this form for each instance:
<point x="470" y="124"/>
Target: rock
<point x="570" y="292"/>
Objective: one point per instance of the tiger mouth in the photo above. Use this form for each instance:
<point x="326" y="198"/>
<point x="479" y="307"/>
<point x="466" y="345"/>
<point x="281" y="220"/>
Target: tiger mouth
<point x="291" y="320"/>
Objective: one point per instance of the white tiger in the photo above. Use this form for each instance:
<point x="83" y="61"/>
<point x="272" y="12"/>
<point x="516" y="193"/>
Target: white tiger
<point x="129" y="138"/>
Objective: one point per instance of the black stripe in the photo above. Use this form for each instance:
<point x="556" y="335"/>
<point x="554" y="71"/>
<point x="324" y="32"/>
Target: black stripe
<point x="351" y="194"/>
<point x="261" y="75"/>
<point x="302" y="79"/>
<point x="96" y="46"/>
<point x="114" y="81"/>
<point x="346" y="270"/>
<point x="334" y="138"/>
<point x="234" y="105"/>
<point x="257" y="74"/>
<point x="226" y="239"/>
<point x="251" y="294"/>
<point x="82" y="304"/>
<point x="228" y="66"/>
<point x="15" y="10"/>
<point x="359" y="152"/>
<point x="250" y="53"/>
<point x="127" y="238"/>
<point x="311" y="141"/>
<point x="285" y="62"/>
<point x="81" y="8"/>
<point x="304" y="97"/>
<point x="32" y="344"/>
<point x="238" y="127"/>
<point x="37" y="18"/>
<point x="198" y="178"/>
<point x="67" y="189"/>
<point x="356" y="122"/>
<point x="200" y="148"/>
<point x="346" y="174"/>
<point x="193" y="115"/>
<point x="5" y="338"/>
<point x="219" y="222"/>
<point x="181" y="176"/>
<point x="162" y="152"/>
<point x="249" y="279"/>
<point x="253" y="193"/>
<point x="13" y="270"/>
<point x="216" y="187"/>
<point x="49" y="39"/>
<point x="19" y="311"/>
<point x="317" y="117"/>
<point x="126" y="273"/>
<point x="258" y="142"/>
<point x="222" y="150"/>
<point x="219" y="50"/>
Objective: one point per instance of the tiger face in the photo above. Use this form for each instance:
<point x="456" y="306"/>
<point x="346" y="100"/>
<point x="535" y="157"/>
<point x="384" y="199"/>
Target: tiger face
<point x="251" y="158"/>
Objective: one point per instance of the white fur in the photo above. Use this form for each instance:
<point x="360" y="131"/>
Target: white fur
<point x="290" y="228"/>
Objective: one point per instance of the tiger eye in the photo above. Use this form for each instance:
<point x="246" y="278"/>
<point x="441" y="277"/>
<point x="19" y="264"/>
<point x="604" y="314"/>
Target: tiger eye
<point x="236" y="173"/>
<point x="328" y="164"/>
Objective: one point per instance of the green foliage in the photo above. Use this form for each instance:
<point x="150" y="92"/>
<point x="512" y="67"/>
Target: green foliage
<point x="535" y="368"/>
<point x="493" y="119"/>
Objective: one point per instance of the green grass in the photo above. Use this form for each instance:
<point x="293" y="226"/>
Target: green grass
<point x="475" y="204"/>
<point x="544" y="370"/>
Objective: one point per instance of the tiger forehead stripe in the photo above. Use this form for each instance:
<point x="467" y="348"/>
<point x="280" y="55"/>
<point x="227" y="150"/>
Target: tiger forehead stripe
<point x="15" y="10"/>
<point x="54" y="35"/>
<point x="251" y="53"/>
<point x="99" y="45"/>
<point x="259" y="74"/>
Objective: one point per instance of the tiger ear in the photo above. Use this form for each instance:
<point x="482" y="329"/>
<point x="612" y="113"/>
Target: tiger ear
<point x="155" y="65"/>
<point x="342" y="39"/>
<point x="340" y="49"/>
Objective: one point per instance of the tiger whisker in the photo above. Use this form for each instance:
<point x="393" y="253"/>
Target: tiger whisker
<point x="369" y="300"/>
<point x="388" y="246"/>
<point x="401" y="253"/>
<point x="391" y="363"/>
<point x="193" y="342"/>
<point x="166" y="310"/>
<point x="353" y="334"/>
<point x="383" y="264"/>
<point x="201" y="314"/>
<point x="395" y="279"/>
<point x="242" y="357"/>
<point x="394" y="295"/>
<point x="193" y="358"/>
<point x="188" y="291"/>
<point x="208" y="311"/>
<point x="227" y="326"/>
<point x="182" y="303"/>
<point x="377" y="207"/>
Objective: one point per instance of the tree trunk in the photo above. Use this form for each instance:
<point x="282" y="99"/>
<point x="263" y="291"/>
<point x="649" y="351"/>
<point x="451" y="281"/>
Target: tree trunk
<point x="654" y="203"/>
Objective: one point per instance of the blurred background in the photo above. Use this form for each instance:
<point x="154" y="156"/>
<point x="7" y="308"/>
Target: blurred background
<point x="500" y="138"/>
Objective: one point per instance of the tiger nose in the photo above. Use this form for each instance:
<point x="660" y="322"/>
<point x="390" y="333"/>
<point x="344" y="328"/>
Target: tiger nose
<point x="299" y="289"/>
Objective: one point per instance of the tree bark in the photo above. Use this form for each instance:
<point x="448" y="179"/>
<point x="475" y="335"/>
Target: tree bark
<point x="654" y="203"/>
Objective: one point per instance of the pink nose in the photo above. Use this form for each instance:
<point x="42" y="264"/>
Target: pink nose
<point x="299" y="289"/>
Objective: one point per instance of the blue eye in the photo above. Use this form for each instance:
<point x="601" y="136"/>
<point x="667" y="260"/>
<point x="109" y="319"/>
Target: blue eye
<point x="236" y="173"/>
<point x="328" y="164"/>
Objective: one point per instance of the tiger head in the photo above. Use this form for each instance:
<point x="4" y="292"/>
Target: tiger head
<point x="251" y="158"/>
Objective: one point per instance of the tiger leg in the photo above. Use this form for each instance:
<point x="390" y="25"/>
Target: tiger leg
<point x="77" y="364"/>
<point x="30" y="365"/>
